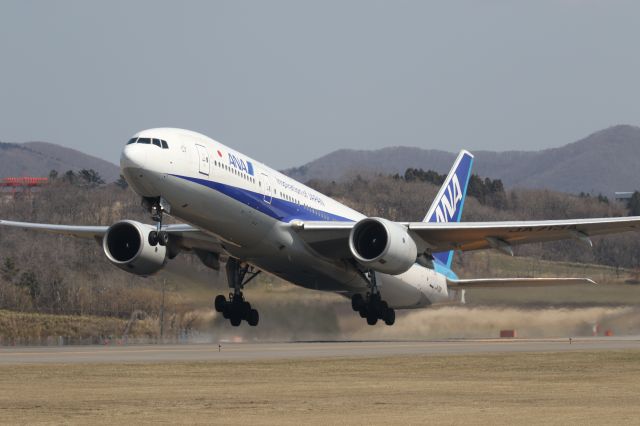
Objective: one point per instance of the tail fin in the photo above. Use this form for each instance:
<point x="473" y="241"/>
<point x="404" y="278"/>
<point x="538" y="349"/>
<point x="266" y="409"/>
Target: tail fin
<point x="447" y="206"/>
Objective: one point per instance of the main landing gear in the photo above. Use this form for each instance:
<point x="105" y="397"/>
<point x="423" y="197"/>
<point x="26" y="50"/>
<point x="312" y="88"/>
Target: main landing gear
<point x="157" y="207"/>
<point x="372" y="307"/>
<point x="237" y="308"/>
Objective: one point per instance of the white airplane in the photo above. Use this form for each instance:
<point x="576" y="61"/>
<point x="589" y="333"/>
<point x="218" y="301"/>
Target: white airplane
<point x="250" y="218"/>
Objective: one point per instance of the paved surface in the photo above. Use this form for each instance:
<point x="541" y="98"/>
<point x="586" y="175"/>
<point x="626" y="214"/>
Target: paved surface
<point x="272" y="351"/>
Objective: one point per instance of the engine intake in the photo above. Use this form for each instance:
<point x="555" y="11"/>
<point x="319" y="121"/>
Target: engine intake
<point x="126" y="245"/>
<point x="382" y="245"/>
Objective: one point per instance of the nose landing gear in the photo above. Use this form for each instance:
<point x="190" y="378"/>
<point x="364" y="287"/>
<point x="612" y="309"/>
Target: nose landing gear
<point x="372" y="307"/>
<point x="157" y="207"/>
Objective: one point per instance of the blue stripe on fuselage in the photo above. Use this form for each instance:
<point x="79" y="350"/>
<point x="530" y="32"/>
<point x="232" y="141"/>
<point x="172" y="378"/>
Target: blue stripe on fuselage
<point x="286" y="211"/>
<point x="278" y="209"/>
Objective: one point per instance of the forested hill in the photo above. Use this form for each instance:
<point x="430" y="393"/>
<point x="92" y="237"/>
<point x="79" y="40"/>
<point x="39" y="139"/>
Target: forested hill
<point x="604" y="162"/>
<point x="39" y="158"/>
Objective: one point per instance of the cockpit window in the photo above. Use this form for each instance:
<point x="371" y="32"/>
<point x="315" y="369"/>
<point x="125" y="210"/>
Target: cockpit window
<point x="160" y="143"/>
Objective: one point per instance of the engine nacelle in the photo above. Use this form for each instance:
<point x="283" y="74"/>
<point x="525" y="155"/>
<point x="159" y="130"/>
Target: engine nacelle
<point x="126" y="245"/>
<point x="383" y="246"/>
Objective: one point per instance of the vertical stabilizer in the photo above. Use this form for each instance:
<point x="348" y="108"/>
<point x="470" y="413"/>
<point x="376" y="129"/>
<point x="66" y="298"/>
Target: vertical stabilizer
<point x="447" y="206"/>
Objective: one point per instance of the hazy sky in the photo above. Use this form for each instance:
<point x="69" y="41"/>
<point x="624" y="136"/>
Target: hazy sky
<point x="289" y="81"/>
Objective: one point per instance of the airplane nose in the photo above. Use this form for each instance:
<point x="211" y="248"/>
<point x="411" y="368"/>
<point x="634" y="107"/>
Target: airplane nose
<point x="133" y="157"/>
<point x="137" y="168"/>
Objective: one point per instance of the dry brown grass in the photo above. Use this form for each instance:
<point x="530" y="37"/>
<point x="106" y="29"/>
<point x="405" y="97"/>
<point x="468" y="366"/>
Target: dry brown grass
<point x="545" y="388"/>
<point x="33" y="328"/>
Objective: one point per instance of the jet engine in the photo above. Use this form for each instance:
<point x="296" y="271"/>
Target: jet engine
<point x="383" y="246"/>
<point x="126" y="245"/>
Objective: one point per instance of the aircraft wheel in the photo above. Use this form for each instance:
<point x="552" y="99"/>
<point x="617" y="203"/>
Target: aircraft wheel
<point x="357" y="302"/>
<point x="372" y="319"/>
<point x="235" y="320"/>
<point x="220" y="302"/>
<point x="227" y="310"/>
<point x="153" y="238"/>
<point x="390" y="317"/>
<point x="253" y="318"/>
<point x="383" y="307"/>
<point x="363" y="312"/>
<point x="163" y="238"/>
<point x="246" y="308"/>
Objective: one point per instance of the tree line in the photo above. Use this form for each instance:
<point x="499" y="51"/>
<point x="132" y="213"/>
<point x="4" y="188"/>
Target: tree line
<point x="84" y="177"/>
<point x="487" y="191"/>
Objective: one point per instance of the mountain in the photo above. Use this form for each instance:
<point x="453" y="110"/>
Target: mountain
<point x="604" y="162"/>
<point x="39" y="158"/>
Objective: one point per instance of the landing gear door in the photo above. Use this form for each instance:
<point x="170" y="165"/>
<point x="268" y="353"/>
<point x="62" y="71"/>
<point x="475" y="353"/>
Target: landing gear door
<point x="203" y="161"/>
<point x="265" y="183"/>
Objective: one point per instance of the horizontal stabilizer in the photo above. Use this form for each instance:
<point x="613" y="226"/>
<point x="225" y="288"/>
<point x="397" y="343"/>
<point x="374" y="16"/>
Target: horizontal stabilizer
<point x="517" y="282"/>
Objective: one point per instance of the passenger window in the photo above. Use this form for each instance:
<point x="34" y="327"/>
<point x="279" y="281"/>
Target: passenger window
<point x="156" y="142"/>
<point x="164" y="143"/>
<point x="132" y="140"/>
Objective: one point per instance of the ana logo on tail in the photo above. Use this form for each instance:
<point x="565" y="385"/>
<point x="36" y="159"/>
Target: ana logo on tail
<point x="447" y="206"/>
<point x="448" y="203"/>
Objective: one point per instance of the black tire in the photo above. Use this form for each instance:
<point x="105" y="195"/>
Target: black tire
<point x="390" y="317"/>
<point x="372" y="319"/>
<point x="163" y="238"/>
<point x="357" y="302"/>
<point x="383" y="307"/>
<point x="153" y="238"/>
<point x="246" y="308"/>
<point x="227" y="310"/>
<point x="219" y="303"/>
<point x="363" y="312"/>
<point x="235" y="320"/>
<point x="253" y="318"/>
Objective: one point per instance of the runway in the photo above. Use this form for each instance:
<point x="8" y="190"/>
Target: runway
<point x="230" y="352"/>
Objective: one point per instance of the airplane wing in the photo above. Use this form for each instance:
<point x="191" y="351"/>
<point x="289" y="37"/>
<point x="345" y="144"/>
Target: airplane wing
<point x="187" y="236"/>
<point x="517" y="282"/>
<point x="331" y="238"/>
<point x="501" y="235"/>
<point x="76" y="231"/>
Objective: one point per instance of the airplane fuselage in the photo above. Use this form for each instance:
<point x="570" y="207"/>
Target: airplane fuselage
<point x="249" y="207"/>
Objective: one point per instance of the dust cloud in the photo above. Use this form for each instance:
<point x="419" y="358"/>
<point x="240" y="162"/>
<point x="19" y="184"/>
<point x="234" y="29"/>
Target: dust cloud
<point x="479" y="322"/>
<point x="288" y="313"/>
<point x="308" y="322"/>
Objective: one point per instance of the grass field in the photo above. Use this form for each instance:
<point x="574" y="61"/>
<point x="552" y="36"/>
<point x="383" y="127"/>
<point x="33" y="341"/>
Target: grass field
<point x="488" y="263"/>
<point x="543" y="388"/>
